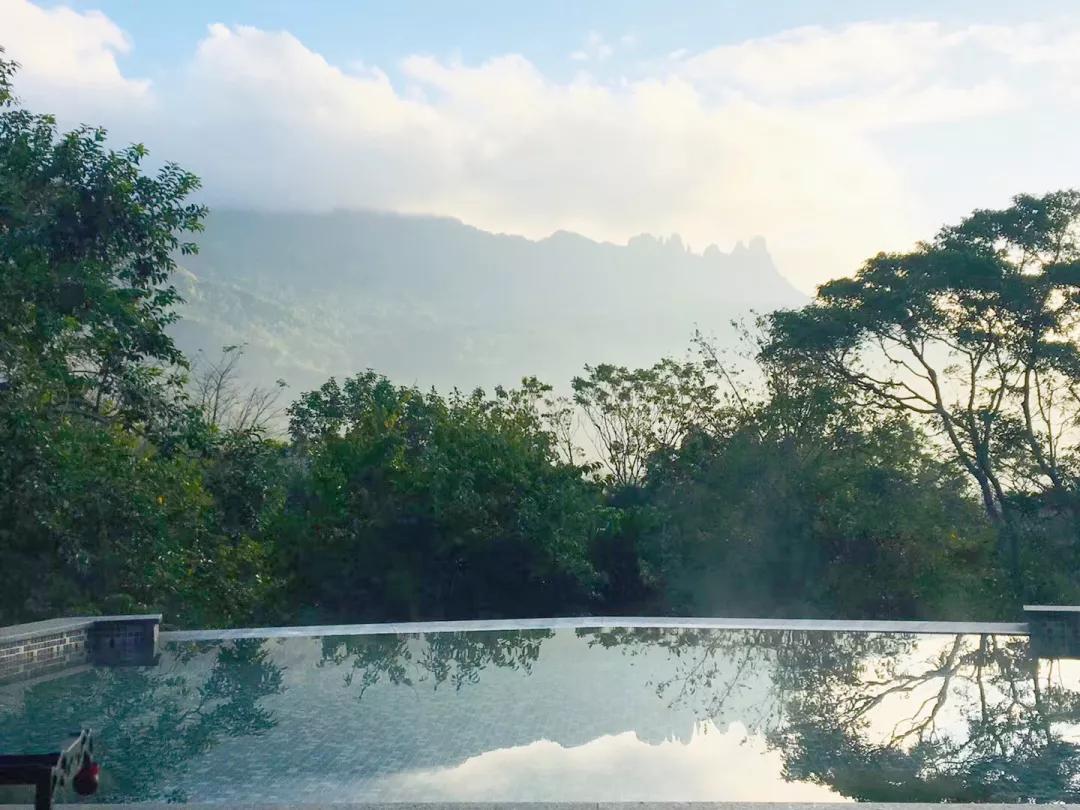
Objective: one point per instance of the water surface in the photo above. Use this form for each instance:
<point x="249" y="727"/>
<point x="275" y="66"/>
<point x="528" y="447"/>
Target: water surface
<point x="573" y="715"/>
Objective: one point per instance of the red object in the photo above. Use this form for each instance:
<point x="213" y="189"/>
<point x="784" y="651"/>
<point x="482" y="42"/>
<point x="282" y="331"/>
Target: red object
<point x="86" y="780"/>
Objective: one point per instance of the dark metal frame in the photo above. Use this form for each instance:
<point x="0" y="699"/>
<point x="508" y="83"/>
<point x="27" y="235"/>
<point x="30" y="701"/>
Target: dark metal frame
<point x="50" y="772"/>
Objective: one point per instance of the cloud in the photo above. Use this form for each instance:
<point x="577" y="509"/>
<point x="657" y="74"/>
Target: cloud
<point x="714" y="765"/>
<point x="595" y="49"/>
<point x="882" y="75"/>
<point x="69" y="55"/>
<point x="813" y="58"/>
<point x="785" y="136"/>
<point x="504" y="147"/>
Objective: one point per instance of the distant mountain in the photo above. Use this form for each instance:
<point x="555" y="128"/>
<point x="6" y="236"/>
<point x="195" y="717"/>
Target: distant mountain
<point x="436" y="302"/>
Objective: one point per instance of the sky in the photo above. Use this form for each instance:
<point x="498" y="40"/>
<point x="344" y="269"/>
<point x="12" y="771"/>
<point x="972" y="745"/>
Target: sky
<point x="833" y="129"/>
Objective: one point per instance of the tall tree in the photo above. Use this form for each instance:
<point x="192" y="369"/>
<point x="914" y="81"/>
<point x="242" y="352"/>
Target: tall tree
<point x="99" y="510"/>
<point x="87" y="246"/>
<point x="636" y="413"/>
<point x="975" y="334"/>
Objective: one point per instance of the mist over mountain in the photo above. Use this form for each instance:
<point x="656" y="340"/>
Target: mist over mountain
<point x="436" y="302"/>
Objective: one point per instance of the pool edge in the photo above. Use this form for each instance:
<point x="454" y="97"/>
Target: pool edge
<point x="601" y="622"/>
<point x="558" y="806"/>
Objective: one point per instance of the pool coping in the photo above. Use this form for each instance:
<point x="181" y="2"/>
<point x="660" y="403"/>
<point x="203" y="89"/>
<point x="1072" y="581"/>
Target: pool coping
<point x="599" y="623"/>
<point x="692" y="805"/>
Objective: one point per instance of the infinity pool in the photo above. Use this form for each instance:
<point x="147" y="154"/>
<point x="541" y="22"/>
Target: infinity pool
<point x="572" y="715"/>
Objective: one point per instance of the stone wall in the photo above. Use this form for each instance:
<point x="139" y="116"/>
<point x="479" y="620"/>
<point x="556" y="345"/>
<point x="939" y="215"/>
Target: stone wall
<point x="118" y="642"/>
<point x="30" y="650"/>
<point x="1054" y="629"/>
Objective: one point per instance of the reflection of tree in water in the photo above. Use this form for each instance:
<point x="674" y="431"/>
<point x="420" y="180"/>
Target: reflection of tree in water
<point x="1006" y="740"/>
<point x="715" y="673"/>
<point x="151" y="722"/>
<point x="435" y="659"/>
<point x="871" y="717"/>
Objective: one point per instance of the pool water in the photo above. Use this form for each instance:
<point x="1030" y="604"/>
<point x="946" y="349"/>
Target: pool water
<point x="572" y="715"/>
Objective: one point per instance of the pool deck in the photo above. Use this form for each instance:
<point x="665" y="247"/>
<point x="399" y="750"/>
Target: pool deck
<point x="600" y="622"/>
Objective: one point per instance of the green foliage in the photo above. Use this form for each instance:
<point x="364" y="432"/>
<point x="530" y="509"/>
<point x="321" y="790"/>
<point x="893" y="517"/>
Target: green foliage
<point x="415" y="505"/>
<point x="637" y="413"/>
<point x="854" y="524"/>
<point x="87" y="246"/>
<point x="103" y="503"/>
<point x="93" y="518"/>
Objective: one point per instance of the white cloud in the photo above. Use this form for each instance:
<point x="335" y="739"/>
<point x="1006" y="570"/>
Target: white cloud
<point x="595" y="49"/>
<point x="503" y="147"/>
<point x="780" y="136"/>
<point x="714" y="765"/>
<point x="902" y="105"/>
<point x="67" y="54"/>
<point x="884" y="75"/>
<point x="813" y="58"/>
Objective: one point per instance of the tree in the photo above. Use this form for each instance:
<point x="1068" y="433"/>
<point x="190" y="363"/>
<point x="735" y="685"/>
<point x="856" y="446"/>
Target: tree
<point x="975" y="335"/>
<point x="857" y="521"/>
<point x="225" y="403"/>
<point x="87" y="246"/>
<point x="638" y="413"/>
<point x="410" y="505"/>
<point x="103" y="463"/>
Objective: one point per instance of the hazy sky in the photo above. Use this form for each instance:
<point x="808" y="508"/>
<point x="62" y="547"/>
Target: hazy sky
<point x="834" y="129"/>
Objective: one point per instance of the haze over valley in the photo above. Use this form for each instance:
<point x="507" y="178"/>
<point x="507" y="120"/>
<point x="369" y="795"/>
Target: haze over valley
<point x="433" y="301"/>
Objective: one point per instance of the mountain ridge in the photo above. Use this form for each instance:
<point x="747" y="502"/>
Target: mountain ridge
<point x="436" y="301"/>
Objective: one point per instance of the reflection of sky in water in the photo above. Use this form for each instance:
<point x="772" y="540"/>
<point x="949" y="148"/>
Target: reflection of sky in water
<point x="565" y="716"/>
<point x="731" y="765"/>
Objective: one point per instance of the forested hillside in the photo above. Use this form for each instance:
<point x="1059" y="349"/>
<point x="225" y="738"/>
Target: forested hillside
<point x="906" y="445"/>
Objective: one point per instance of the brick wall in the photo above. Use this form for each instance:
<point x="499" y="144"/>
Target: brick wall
<point x="37" y="655"/>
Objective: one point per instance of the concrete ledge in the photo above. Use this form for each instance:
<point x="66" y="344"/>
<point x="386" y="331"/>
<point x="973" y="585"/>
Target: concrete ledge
<point x="1051" y="608"/>
<point x="563" y="806"/>
<point x="600" y="622"/>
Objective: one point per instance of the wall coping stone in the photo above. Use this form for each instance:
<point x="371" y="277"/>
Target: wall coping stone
<point x="316" y="805"/>
<point x="1051" y="608"/>
<point x="598" y="622"/>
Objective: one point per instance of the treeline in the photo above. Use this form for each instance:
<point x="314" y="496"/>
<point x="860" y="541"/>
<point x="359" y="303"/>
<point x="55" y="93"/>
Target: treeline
<point x="905" y="446"/>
